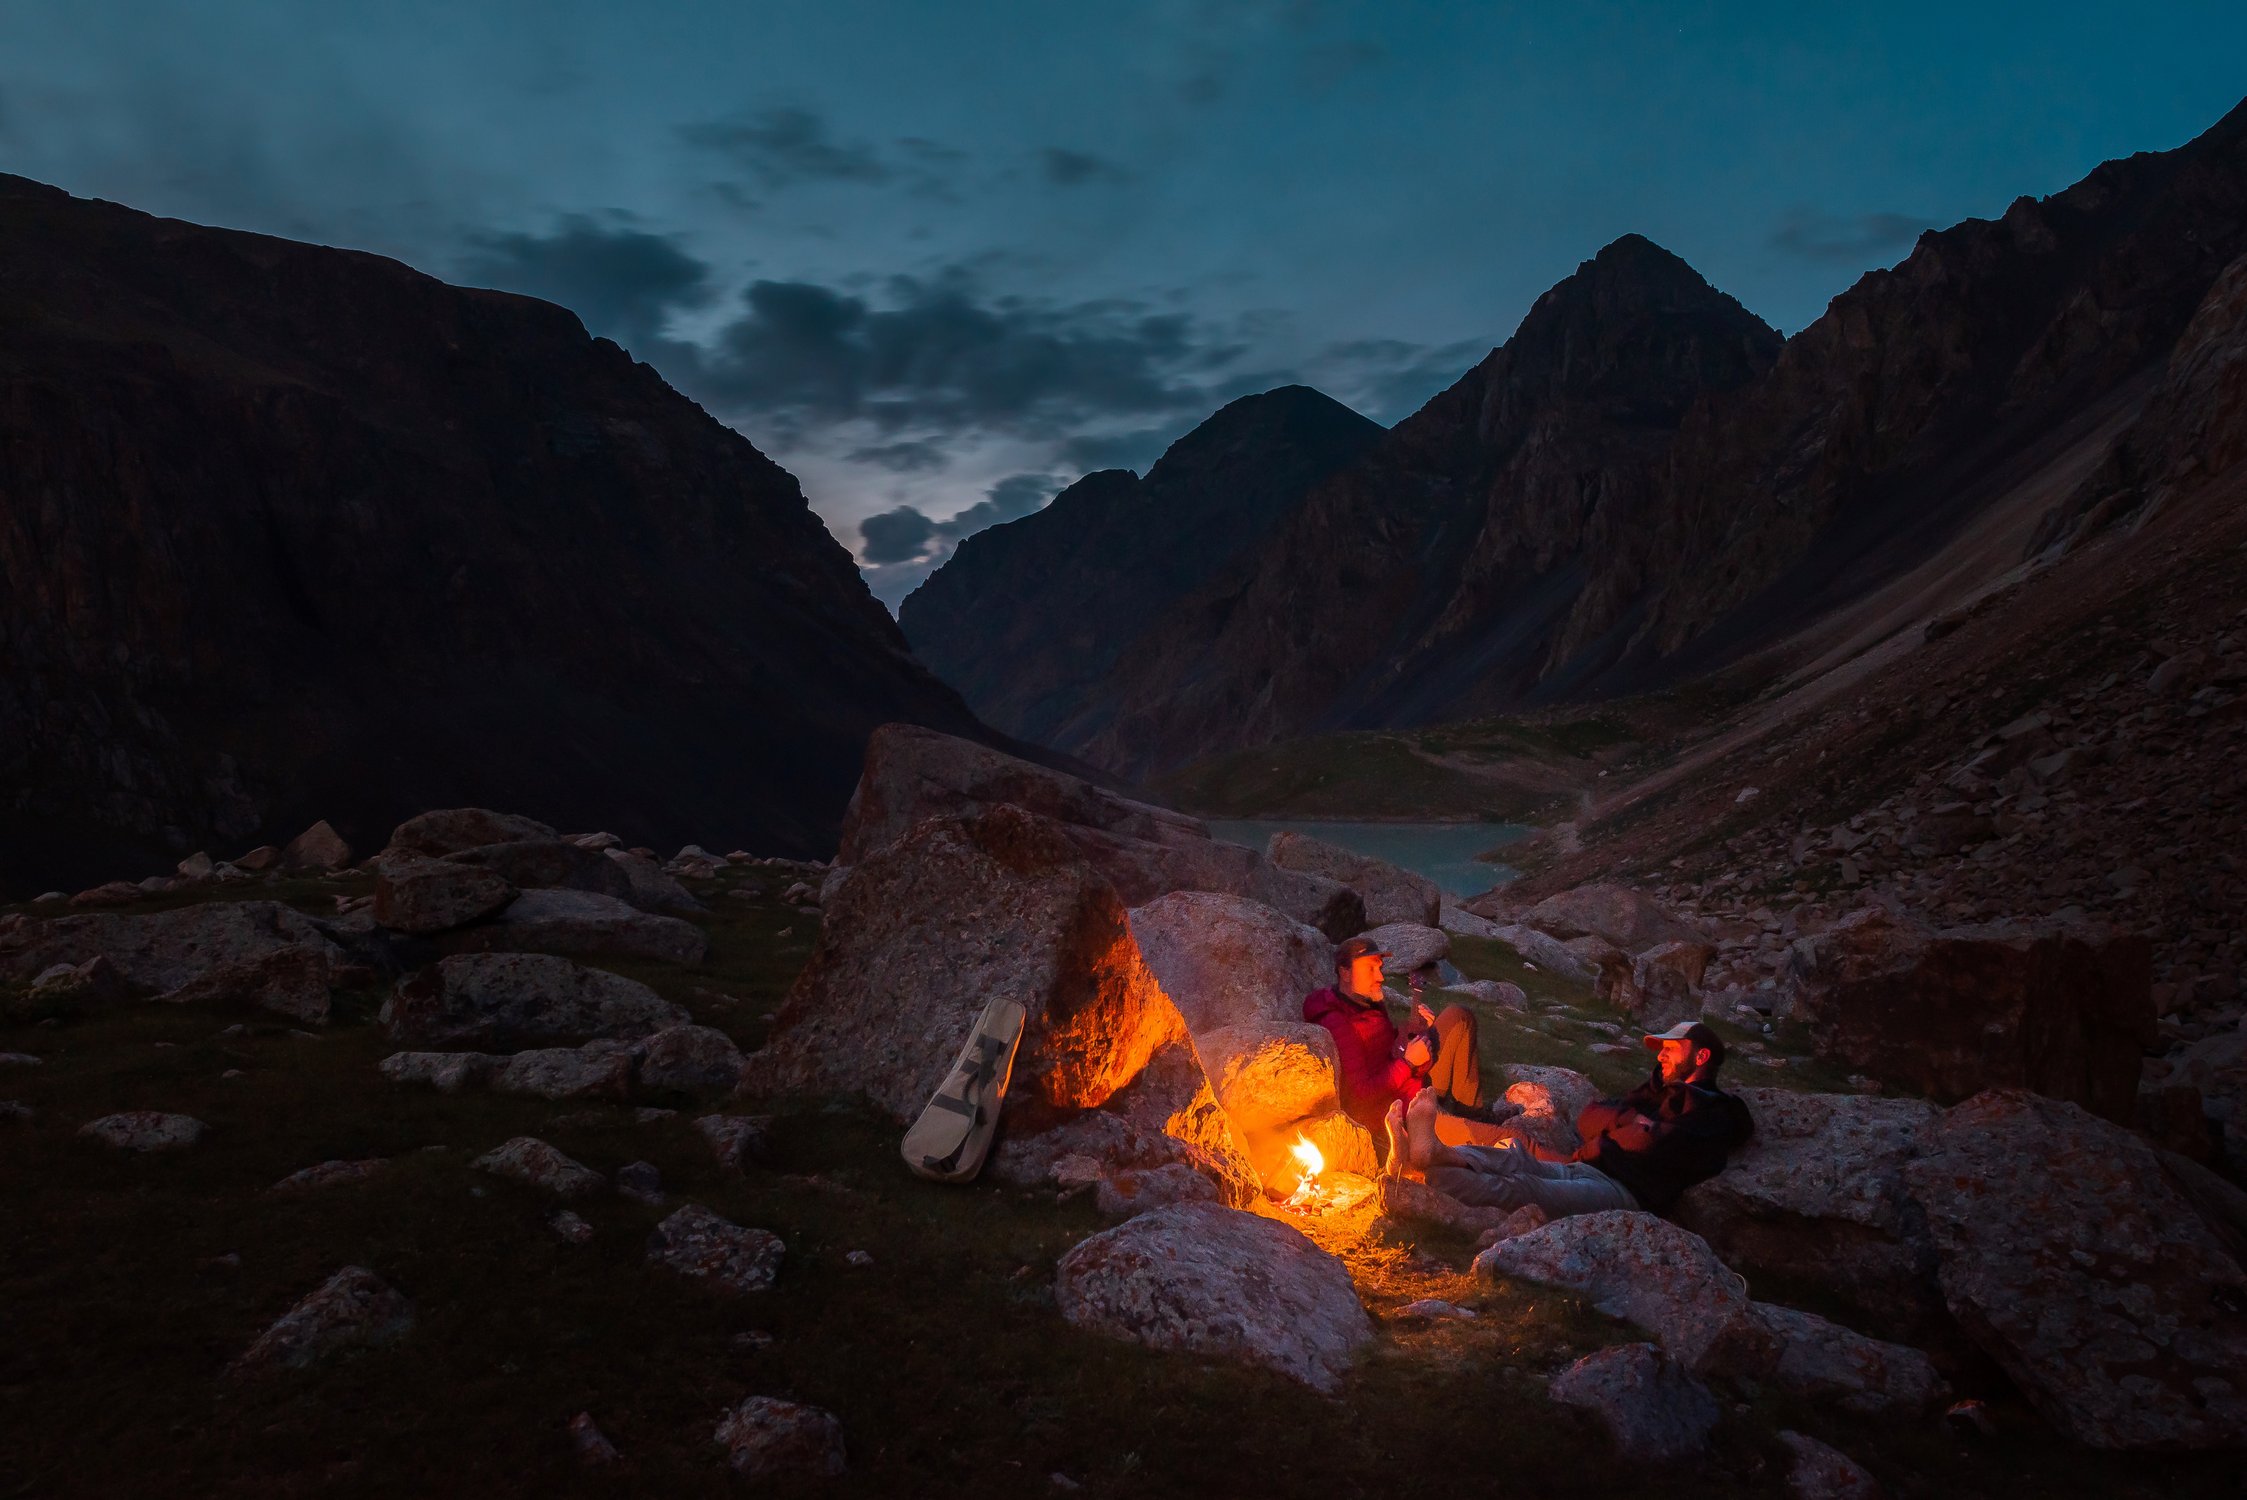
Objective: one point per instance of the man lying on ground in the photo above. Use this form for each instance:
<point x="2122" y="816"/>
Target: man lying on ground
<point x="1433" y="1057"/>
<point x="1639" y="1151"/>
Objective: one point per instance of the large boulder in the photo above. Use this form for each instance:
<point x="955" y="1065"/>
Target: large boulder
<point x="1817" y="1195"/>
<point x="159" y="952"/>
<point x="319" y="848"/>
<point x="2217" y="1067"/>
<point x="1654" y="1410"/>
<point x="937" y="924"/>
<point x="1390" y="894"/>
<point x="1632" y="920"/>
<point x="1666" y="983"/>
<point x="690" y="1059"/>
<point x="1142" y="850"/>
<point x="2065" y="1011"/>
<point x="452" y="829"/>
<point x="421" y="896"/>
<point x="1636" y="1267"/>
<point x="598" y="1071"/>
<point x="503" y="1000"/>
<point x="650" y="887"/>
<point x="1209" y="1280"/>
<point x="1270" y="1073"/>
<point x="297" y="982"/>
<point x="770" y="1440"/>
<point x="1541" y="950"/>
<point x="1226" y="961"/>
<point x="1815" y="1358"/>
<point x="913" y="773"/>
<point x="2071" y="1257"/>
<point x="583" y="922"/>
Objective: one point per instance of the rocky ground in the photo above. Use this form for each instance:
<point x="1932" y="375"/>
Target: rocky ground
<point x="282" y="1260"/>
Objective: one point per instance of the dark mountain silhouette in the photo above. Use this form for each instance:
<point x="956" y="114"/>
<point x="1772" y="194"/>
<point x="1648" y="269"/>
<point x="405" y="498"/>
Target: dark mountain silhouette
<point x="289" y="532"/>
<point x="1645" y="483"/>
<point x="1028" y="619"/>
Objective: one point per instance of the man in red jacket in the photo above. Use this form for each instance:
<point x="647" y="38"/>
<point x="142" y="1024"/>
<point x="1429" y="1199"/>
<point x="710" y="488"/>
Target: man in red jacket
<point x="1381" y="1065"/>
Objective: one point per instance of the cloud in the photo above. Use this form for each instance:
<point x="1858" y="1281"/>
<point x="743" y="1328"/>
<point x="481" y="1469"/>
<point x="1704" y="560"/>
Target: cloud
<point x="1134" y="450"/>
<point x="784" y="146"/>
<point x="908" y="456"/>
<point x="1389" y="379"/>
<point x="895" y="536"/>
<point x="936" y="354"/>
<point x="1813" y="234"/>
<point x="907" y="535"/>
<point x="623" y="282"/>
<point x="1062" y="167"/>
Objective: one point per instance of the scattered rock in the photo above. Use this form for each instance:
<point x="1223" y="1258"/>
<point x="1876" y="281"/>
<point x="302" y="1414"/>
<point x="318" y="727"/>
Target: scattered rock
<point x="421" y="896"/>
<point x="696" y="1242"/>
<point x="1806" y="1355"/>
<point x="1498" y="994"/>
<point x="1550" y="1100"/>
<point x="641" y="1182"/>
<point x="1410" y="945"/>
<point x="598" y="1070"/>
<point x="691" y="1059"/>
<point x="1227" y="962"/>
<point x="16" y="1112"/>
<point x="1667" y="978"/>
<point x="1817" y="1472"/>
<point x="1390" y="894"/>
<point x="1631" y="920"/>
<point x="547" y="921"/>
<point x="592" y="1445"/>
<point x="527" y="1159"/>
<point x="1217" y="1281"/>
<point x="571" y="1227"/>
<point x="330" y="1174"/>
<point x="1126" y="1191"/>
<point x="257" y="861"/>
<point x="737" y="1140"/>
<point x="19" y="1060"/>
<point x="354" y="1309"/>
<point x="319" y="848"/>
<point x="1636" y="1267"/>
<point x="160" y="953"/>
<point x="1547" y="953"/>
<point x="766" y="1438"/>
<point x="651" y="888"/>
<point x="145" y="1130"/>
<point x="2070" y="1256"/>
<point x="1435" y="1309"/>
<point x="514" y="999"/>
<point x="296" y="982"/>
<point x="450" y="830"/>
<point x="1653" y="1409"/>
<point x="446" y="1072"/>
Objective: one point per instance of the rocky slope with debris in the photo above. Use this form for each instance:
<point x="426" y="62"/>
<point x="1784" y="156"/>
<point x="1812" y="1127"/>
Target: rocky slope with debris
<point x="290" y="532"/>
<point x="1028" y="619"/>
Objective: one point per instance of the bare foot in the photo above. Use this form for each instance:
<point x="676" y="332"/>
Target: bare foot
<point x="1420" y="1129"/>
<point x="1398" y="1146"/>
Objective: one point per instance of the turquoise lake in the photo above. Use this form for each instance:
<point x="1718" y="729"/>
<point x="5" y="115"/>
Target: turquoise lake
<point x="1444" y="852"/>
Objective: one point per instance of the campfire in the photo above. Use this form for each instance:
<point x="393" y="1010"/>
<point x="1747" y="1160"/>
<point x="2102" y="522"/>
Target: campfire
<point x="1316" y="1191"/>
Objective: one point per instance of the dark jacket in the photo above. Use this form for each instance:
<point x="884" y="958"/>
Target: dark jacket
<point x="1373" y="1074"/>
<point x="1661" y="1138"/>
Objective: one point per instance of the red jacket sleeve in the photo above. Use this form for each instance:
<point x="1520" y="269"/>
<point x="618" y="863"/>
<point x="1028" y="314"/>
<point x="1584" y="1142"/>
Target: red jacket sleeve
<point x="1365" y="1043"/>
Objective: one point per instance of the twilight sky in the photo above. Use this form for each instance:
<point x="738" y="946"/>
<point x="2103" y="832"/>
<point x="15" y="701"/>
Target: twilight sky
<point x="940" y="259"/>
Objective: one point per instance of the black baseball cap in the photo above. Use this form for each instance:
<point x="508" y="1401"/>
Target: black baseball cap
<point x="1688" y="1031"/>
<point x="1355" y="949"/>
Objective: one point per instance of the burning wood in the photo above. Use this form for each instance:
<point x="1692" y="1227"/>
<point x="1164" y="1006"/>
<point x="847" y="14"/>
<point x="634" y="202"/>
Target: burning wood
<point x="1308" y="1197"/>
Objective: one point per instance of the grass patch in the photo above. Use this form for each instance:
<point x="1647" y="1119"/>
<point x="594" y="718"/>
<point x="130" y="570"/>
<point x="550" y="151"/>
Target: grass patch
<point x="1362" y="775"/>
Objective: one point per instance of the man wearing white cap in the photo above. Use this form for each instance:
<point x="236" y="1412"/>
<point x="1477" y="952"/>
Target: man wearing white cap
<point x="1639" y="1151"/>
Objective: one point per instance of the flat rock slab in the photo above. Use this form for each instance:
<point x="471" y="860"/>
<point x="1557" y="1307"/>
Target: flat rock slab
<point x="1636" y="1267"/>
<point x="527" y="1159"/>
<point x="690" y="1059"/>
<point x="766" y="1438"/>
<point x="1650" y="1405"/>
<point x="696" y="1242"/>
<point x="2071" y="1257"/>
<point x="353" y="1309"/>
<point x="584" y="922"/>
<point x="1204" y="1279"/>
<point x="423" y="896"/>
<point x="598" y="1071"/>
<point x="446" y="1072"/>
<point x="737" y="1140"/>
<point x="330" y="1174"/>
<point x="145" y="1130"/>
<point x="448" y="830"/>
<point x="509" y="1000"/>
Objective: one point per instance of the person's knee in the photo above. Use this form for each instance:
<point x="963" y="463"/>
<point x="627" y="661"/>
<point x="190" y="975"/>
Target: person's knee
<point x="1455" y="1017"/>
